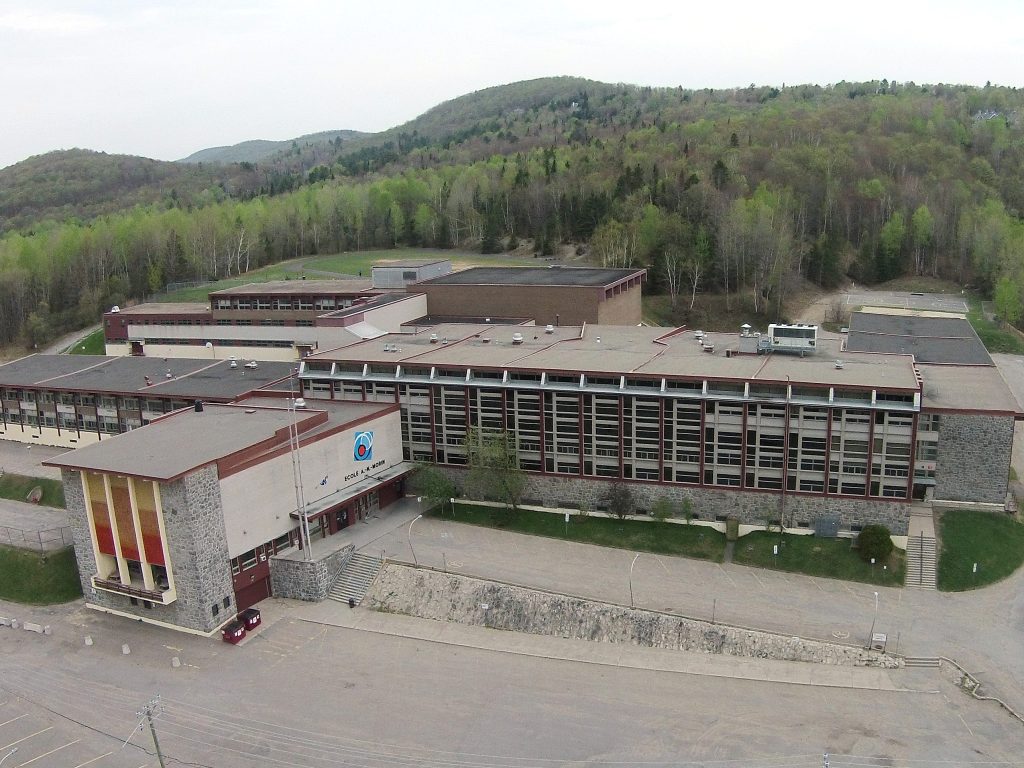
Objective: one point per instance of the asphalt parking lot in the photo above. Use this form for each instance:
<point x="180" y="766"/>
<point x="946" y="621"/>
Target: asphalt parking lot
<point x="936" y="302"/>
<point x="45" y="740"/>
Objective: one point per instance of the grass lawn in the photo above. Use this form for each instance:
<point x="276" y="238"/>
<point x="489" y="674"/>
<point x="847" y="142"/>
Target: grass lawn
<point x="639" y="535"/>
<point x="994" y="542"/>
<point x="814" y="556"/>
<point x="17" y="487"/>
<point x="992" y="335"/>
<point x="355" y="262"/>
<point x="91" y="345"/>
<point x="38" y="579"/>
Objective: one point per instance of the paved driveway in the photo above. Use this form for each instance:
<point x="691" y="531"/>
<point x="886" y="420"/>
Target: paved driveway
<point x="984" y="630"/>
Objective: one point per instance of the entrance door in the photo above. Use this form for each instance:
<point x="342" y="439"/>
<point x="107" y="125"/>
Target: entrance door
<point x="250" y="595"/>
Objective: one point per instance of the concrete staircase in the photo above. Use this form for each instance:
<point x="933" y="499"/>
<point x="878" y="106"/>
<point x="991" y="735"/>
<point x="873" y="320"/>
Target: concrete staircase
<point x="922" y="661"/>
<point x="921" y="562"/>
<point x="355" y="578"/>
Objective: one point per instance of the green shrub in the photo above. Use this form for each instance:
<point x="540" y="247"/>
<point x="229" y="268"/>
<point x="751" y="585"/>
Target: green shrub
<point x="875" y="542"/>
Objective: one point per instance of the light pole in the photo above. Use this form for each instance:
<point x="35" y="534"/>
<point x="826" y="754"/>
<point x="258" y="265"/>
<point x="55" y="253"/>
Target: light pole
<point x="409" y="535"/>
<point x="4" y="758"/>
<point x="871" y="635"/>
<point x="631" y="580"/>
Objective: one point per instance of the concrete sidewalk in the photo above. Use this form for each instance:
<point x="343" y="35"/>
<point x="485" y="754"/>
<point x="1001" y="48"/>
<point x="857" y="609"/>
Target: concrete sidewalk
<point x="335" y="614"/>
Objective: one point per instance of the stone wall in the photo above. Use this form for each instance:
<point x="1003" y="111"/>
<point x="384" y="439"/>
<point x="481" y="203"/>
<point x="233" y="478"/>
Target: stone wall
<point x="973" y="462"/>
<point x="74" y="502"/>
<point x="448" y="597"/>
<point x="750" y="507"/>
<point x="198" y="551"/>
<point x="291" y="576"/>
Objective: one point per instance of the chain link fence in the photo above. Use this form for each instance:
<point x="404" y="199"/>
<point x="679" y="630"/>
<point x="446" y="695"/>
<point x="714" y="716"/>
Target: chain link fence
<point x="48" y="540"/>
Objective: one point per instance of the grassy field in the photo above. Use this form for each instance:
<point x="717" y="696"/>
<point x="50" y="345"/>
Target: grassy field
<point x="639" y="535"/>
<point x="38" y="579"/>
<point x="813" y="556"/>
<point x="90" y="345"/>
<point x="18" y="487"/>
<point x="995" y="337"/>
<point x="351" y="263"/>
<point x="994" y="542"/>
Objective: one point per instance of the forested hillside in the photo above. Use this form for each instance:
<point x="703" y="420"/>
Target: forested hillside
<point x="80" y="184"/>
<point x="739" y="191"/>
<point x="258" y="150"/>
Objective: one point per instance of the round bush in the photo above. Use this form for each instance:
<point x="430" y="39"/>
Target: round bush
<point x="874" y="541"/>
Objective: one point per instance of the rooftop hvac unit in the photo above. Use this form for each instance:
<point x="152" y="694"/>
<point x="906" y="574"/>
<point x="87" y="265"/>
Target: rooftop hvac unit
<point x="115" y="308"/>
<point x="793" y="338"/>
<point x="517" y="338"/>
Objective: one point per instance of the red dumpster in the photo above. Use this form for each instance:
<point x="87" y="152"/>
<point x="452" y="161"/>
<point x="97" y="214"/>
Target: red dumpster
<point x="250" y="617"/>
<point x="233" y="632"/>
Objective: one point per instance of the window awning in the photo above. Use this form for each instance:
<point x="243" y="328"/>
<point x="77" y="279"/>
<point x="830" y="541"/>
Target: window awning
<point x="365" y="484"/>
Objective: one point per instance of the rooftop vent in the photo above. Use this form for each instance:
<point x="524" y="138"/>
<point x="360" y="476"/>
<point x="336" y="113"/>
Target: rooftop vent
<point x="745" y="329"/>
<point x="168" y="375"/>
<point x="549" y="328"/>
<point x="252" y="364"/>
<point x="598" y="339"/>
<point x="698" y="334"/>
<point x="444" y="340"/>
<point x="199" y="406"/>
<point x="433" y="338"/>
<point x="300" y="402"/>
<point x="486" y="340"/>
<point x="839" y="365"/>
<point x="233" y="364"/>
<point x="517" y="338"/>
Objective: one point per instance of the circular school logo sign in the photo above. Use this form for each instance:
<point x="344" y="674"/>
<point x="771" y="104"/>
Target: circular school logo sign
<point x="362" y="448"/>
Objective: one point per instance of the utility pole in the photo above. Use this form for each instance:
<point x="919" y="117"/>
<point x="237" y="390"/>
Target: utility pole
<point x="147" y="711"/>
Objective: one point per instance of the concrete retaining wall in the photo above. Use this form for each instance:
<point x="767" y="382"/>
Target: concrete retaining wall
<point x="449" y="597"/>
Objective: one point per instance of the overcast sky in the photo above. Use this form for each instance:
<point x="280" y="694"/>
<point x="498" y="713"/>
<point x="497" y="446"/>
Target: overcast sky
<point x="163" y="79"/>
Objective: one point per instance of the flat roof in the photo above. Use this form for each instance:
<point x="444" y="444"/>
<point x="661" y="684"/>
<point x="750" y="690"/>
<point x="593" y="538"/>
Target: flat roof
<point x="375" y="302"/>
<point x="167" y="448"/>
<point x="299" y="287"/>
<point x="966" y="388"/>
<point x="190" y="378"/>
<point x="535" y="276"/>
<point x="166" y="308"/>
<point x="929" y="338"/>
<point x="408" y="263"/>
<point x="628" y="350"/>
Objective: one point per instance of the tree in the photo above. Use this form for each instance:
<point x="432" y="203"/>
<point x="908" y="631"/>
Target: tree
<point x="434" y="485"/>
<point x="674" y="267"/>
<point x="1006" y="298"/>
<point x="922" y="229"/>
<point x="494" y="465"/>
<point x="663" y="509"/>
<point x="620" y="500"/>
<point x="875" y="542"/>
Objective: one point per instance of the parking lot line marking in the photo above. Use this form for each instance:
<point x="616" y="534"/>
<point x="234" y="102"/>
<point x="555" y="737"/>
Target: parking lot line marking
<point x="13" y="719"/>
<point x="58" y="749"/>
<point x="50" y="728"/>
<point x="89" y="762"/>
